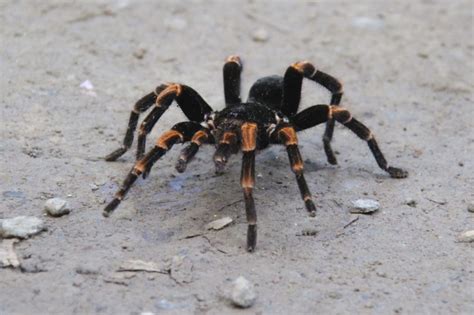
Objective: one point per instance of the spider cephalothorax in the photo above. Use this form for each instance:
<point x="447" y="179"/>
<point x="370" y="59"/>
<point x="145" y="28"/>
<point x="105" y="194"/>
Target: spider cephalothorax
<point x="270" y="116"/>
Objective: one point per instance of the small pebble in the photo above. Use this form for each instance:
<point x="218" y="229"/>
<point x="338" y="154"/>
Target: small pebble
<point x="335" y="295"/>
<point x="87" y="85"/>
<point x="219" y="224"/>
<point x="21" y="227"/>
<point x="466" y="237"/>
<point x="369" y="305"/>
<point x="423" y="55"/>
<point x="470" y="207"/>
<point x="309" y="232"/>
<point x="411" y="202"/>
<point x="243" y="293"/>
<point x="87" y="270"/>
<point x="364" y="206"/>
<point x="368" y="23"/>
<point x="140" y="53"/>
<point x="260" y="35"/>
<point x="176" y="23"/>
<point x="56" y="207"/>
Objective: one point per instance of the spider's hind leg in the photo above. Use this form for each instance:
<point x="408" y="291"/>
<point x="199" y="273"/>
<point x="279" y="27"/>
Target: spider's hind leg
<point x="292" y="94"/>
<point x="317" y="114"/>
<point x="344" y="117"/>
<point x="231" y="71"/>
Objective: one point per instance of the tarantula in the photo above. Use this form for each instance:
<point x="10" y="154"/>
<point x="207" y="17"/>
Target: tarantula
<point x="270" y="116"/>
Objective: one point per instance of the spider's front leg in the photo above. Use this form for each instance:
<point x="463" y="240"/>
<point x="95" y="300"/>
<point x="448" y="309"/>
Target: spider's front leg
<point x="190" y="102"/>
<point x="292" y="94"/>
<point x="180" y="132"/>
<point x="188" y="153"/>
<point x="247" y="180"/>
<point x="317" y="114"/>
<point x="140" y="106"/>
<point x="286" y="134"/>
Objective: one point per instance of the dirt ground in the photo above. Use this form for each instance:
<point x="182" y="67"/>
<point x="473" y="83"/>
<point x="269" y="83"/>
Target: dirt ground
<point x="407" y="69"/>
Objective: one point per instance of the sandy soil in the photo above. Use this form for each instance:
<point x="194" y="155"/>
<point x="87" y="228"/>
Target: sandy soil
<point x="407" y="69"/>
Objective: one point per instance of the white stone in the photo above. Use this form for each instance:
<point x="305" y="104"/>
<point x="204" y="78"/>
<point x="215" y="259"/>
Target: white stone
<point x="219" y="224"/>
<point x="260" y="35"/>
<point x="56" y="207"/>
<point x="8" y="257"/>
<point x="364" y="206"/>
<point x="365" y="22"/>
<point x="243" y="293"/>
<point x="466" y="237"/>
<point x="87" y="85"/>
<point x="21" y="227"/>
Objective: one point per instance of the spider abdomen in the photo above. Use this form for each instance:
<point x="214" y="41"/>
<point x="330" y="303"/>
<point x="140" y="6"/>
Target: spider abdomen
<point x="254" y="112"/>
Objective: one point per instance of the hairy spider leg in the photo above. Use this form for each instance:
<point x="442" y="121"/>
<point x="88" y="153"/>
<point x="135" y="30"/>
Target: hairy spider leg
<point x="187" y="154"/>
<point x="140" y="106"/>
<point x="231" y="71"/>
<point x="292" y="94"/>
<point x="320" y="113"/>
<point x="190" y="102"/>
<point x="180" y="132"/>
<point x="247" y="179"/>
<point x="286" y="134"/>
<point x="227" y="144"/>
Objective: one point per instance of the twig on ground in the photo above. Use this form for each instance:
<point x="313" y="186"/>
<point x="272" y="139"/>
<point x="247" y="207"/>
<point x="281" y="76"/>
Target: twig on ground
<point x="352" y="221"/>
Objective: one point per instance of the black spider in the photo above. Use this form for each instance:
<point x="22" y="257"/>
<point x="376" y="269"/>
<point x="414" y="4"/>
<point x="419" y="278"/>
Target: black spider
<point x="270" y="116"/>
